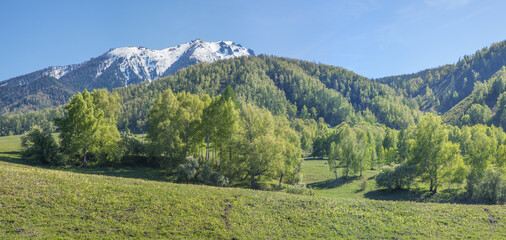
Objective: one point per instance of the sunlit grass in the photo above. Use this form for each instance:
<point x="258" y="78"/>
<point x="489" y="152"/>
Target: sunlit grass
<point x="37" y="202"/>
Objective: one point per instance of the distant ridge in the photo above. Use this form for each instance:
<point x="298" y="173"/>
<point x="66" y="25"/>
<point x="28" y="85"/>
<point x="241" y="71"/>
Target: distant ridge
<point x="116" y="68"/>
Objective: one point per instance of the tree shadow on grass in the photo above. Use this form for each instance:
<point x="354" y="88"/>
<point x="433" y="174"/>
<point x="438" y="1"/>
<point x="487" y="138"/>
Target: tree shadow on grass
<point x="332" y="183"/>
<point x="314" y="158"/>
<point x="145" y="173"/>
<point x="417" y="195"/>
<point x="12" y="157"/>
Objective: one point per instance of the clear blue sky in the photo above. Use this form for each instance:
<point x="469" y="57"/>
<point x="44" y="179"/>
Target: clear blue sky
<point x="371" y="38"/>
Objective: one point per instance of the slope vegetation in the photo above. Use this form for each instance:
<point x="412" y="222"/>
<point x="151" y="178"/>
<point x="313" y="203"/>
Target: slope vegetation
<point x="442" y="87"/>
<point x="284" y="86"/>
<point x="44" y="203"/>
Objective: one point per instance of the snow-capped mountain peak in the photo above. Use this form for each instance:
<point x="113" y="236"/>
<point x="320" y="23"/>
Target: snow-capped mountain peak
<point x="148" y="64"/>
<point x="128" y="65"/>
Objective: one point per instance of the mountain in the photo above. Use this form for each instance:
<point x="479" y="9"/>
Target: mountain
<point x="485" y="105"/>
<point x="462" y="92"/>
<point x="441" y="88"/>
<point x="116" y="68"/>
<point x="284" y="86"/>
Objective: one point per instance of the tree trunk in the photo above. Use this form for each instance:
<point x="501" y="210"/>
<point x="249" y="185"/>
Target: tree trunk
<point x="230" y="155"/>
<point x="171" y="157"/>
<point x="207" y="150"/>
<point x="335" y="172"/>
<point x="281" y="181"/>
<point x="85" y="162"/>
<point x="435" y="185"/>
<point x="253" y="182"/>
<point x="361" y="167"/>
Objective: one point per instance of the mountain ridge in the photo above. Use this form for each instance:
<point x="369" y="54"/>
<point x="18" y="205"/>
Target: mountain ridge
<point x="117" y="67"/>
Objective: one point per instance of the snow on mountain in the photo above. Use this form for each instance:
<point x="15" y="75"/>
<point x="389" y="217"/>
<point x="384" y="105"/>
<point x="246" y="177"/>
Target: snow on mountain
<point x="150" y="64"/>
<point x="128" y="65"/>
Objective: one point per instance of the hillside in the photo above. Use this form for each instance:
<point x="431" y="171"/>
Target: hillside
<point x="37" y="202"/>
<point x="443" y="87"/>
<point x="118" y="67"/>
<point x="483" y="105"/>
<point x="284" y="86"/>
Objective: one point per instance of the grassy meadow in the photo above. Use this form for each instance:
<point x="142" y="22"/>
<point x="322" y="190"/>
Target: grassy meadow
<point x="38" y="202"/>
<point x="318" y="177"/>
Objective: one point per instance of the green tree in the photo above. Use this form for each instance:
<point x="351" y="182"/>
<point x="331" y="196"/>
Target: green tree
<point x="162" y="131"/>
<point x="432" y="153"/>
<point x="390" y="139"/>
<point x="219" y="123"/>
<point x="290" y="148"/>
<point x="403" y="146"/>
<point x="478" y="114"/>
<point x="173" y="124"/>
<point x="39" y="146"/>
<point x="304" y="113"/>
<point x="480" y="147"/>
<point x="88" y="127"/>
<point x="257" y="143"/>
<point x="333" y="159"/>
<point x="350" y="149"/>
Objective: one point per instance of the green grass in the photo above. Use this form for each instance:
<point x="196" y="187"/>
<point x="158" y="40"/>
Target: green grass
<point x="316" y="175"/>
<point x="10" y="147"/>
<point x="37" y="202"/>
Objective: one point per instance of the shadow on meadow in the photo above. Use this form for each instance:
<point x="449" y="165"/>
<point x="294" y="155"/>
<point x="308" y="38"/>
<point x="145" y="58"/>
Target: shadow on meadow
<point x="314" y="158"/>
<point x="11" y="156"/>
<point x="332" y="183"/>
<point x="145" y="173"/>
<point x="417" y="195"/>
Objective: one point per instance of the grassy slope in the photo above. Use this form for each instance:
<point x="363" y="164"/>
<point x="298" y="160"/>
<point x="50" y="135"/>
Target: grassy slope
<point x="316" y="175"/>
<point x="44" y="203"/>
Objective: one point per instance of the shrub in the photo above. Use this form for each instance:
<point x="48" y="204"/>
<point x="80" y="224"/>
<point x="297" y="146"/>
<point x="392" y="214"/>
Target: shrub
<point x="396" y="177"/>
<point x="188" y="171"/>
<point x="40" y="147"/>
<point x="363" y="186"/>
<point x="491" y="188"/>
<point x="299" y="189"/>
<point x="132" y="151"/>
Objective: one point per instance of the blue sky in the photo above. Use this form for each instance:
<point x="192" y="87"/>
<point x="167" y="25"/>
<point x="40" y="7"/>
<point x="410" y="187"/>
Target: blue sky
<point x="371" y="38"/>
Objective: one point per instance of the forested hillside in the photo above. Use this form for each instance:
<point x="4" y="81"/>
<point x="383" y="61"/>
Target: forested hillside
<point x="485" y="105"/>
<point x="443" y="87"/>
<point x="284" y="86"/>
<point x="44" y="92"/>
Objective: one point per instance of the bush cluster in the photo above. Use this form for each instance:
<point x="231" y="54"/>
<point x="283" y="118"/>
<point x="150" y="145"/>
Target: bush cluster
<point x="396" y="177"/>
<point x="192" y="172"/>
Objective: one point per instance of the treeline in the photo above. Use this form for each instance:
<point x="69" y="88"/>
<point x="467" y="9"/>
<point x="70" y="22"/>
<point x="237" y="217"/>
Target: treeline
<point x="16" y="124"/>
<point x="286" y="87"/>
<point x="471" y="158"/>
<point x="211" y="140"/>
